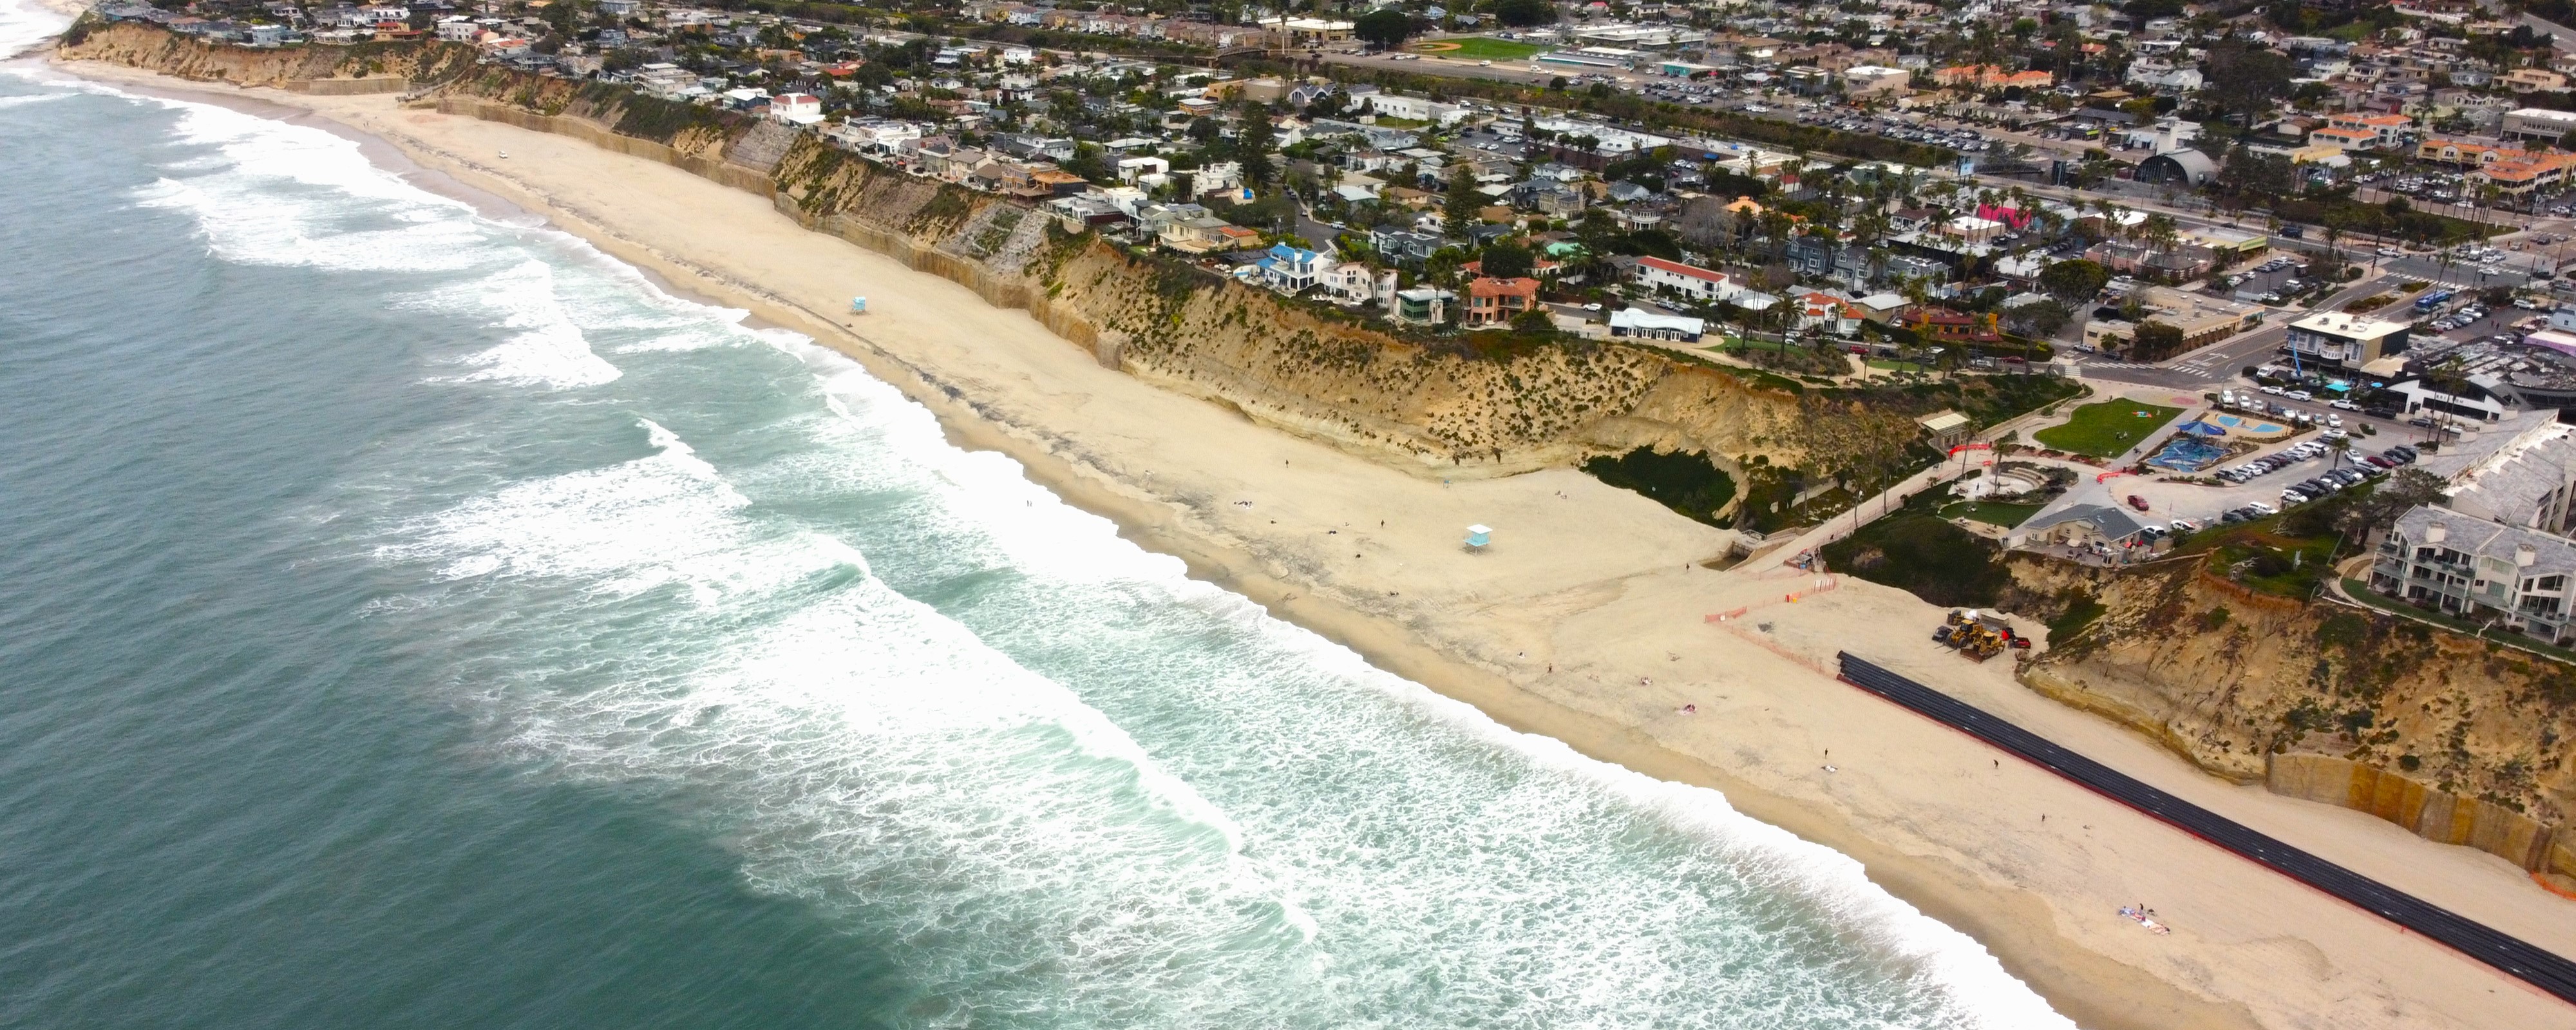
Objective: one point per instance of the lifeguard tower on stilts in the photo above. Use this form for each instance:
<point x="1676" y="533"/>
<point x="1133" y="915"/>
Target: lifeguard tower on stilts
<point x="1478" y="537"/>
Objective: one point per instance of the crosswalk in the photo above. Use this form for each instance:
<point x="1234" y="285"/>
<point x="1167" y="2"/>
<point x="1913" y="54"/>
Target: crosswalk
<point x="2197" y="368"/>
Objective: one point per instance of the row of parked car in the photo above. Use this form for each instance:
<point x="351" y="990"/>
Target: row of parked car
<point x="2459" y="318"/>
<point x="2364" y="468"/>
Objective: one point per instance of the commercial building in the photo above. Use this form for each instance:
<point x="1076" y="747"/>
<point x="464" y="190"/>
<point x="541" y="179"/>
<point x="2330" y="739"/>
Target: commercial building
<point x="2343" y="139"/>
<point x="2538" y="124"/>
<point x="1647" y="325"/>
<point x="2389" y="131"/>
<point x="1870" y="80"/>
<point x="2344" y="339"/>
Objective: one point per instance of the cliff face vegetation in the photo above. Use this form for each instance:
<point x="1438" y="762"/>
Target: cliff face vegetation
<point x="2457" y="739"/>
<point x="1494" y="409"/>
<point x="144" y="46"/>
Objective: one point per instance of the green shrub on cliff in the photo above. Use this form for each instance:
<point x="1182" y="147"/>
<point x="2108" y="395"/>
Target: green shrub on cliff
<point x="1685" y="481"/>
<point x="1915" y="551"/>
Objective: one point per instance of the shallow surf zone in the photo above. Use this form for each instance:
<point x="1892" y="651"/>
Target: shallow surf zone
<point x="1059" y="781"/>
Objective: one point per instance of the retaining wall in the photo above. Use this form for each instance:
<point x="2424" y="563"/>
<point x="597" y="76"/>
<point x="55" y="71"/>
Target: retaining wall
<point x="2427" y="812"/>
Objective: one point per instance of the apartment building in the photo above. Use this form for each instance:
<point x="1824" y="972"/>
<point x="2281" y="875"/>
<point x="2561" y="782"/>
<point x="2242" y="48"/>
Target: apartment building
<point x="2479" y="569"/>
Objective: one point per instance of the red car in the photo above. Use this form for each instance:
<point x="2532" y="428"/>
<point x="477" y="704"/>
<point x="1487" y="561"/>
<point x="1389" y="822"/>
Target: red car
<point x="2137" y="502"/>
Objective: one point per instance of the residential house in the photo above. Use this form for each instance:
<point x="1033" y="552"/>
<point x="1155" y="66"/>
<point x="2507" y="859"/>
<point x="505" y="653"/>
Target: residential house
<point x="1690" y="281"/>
<point x="1290" y="270"/>
<point x="1831" y="314"/>
<point x="1404" y="248"/>
<point x="1933" y="324"/>
<point x="1423" y="305"/>
<point x="1351" y="282"/>
<point x="1493" y="303"/>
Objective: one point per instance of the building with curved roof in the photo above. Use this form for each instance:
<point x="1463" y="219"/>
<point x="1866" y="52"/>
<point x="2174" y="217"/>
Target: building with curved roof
<point x="2188" y="167"/>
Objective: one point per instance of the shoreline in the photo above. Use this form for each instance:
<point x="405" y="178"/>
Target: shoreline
<point x="2021" y="925"/>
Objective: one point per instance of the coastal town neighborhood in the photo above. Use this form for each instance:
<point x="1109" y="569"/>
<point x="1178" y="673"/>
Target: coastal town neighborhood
<point x="2171" y="403"/>
<point x="2336" y="232"/>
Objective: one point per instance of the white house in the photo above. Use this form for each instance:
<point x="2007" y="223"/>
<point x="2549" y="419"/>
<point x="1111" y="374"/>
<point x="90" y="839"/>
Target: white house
<point x="1289" y="269"/>
<point x="1687" y="280"/>
<point x="1828" y="312"/>
<point x="1353" y="283"/>
<point x="796" y="108"/>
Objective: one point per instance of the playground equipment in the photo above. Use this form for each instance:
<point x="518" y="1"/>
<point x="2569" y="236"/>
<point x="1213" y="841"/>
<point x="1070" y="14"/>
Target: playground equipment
<point x="1978" y="636"/>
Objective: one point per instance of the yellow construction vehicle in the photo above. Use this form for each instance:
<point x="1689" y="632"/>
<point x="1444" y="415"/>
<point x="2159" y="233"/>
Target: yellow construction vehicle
<point x="1978" y="636"/>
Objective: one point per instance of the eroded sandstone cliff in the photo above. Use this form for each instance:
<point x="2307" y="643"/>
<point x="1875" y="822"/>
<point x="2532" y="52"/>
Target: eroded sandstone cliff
<point x="145" y="46"/>
<point x="2458" y="739"/>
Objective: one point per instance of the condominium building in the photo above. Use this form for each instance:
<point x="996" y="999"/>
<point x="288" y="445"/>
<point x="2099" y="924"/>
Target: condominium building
<point x="2479" y="569"/>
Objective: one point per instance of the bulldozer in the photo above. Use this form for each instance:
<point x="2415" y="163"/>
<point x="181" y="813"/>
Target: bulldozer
<point x="1978" y="636"/>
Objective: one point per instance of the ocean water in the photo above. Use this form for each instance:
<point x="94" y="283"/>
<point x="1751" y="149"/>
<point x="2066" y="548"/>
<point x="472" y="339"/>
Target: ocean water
<point x="414" y="619"/>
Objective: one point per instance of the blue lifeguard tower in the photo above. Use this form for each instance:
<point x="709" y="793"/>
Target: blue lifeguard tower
<point x="1478" y="537"/>
<point x="858" y="305"/>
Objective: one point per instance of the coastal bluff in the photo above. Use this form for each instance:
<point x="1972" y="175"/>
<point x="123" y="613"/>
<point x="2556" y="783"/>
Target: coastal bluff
<point x="2458" y="740"/>
<point x="1469" y="405"/>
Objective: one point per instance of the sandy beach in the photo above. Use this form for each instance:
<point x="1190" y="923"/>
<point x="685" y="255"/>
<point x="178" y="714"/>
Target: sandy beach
<point x="1583" y="622"/>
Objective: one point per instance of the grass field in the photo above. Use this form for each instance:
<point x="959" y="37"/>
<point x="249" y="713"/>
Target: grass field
<point x="2106" y="429"/>
<point x="1486" y="48"/>
<point x="1992" y="513"/>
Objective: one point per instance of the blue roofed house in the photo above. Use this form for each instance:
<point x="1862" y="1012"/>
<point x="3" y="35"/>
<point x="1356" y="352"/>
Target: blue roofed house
<point x="1290" y="270"/>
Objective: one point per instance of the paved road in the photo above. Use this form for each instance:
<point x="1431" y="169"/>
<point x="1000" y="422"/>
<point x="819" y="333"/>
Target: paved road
<point x="2512" y="955"/>
<point x="2560" y="36"/>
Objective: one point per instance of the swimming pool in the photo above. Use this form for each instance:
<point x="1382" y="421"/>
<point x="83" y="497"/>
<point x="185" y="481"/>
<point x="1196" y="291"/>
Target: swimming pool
<point x="2233" y="422"/>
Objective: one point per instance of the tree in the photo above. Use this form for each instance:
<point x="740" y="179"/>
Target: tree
<point x="2075" y="282"/>
<point x="2249" y="178"/>
<point x="1385" y="27"/>
<point x="2243" y="79"/>
<point x="1525" y="12"/>
<point x="1534" y="322"/>
<point x="2403" y="492"/>
<point x="1508" y="261"/>
<point x="1458" y="210"/>
<point x="2039" y="318"/>
<point x="2155" y="341"/>
<point x="1087" y="161"/>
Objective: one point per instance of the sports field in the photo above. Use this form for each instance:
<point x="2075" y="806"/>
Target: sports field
<point x="1478" y="48"/>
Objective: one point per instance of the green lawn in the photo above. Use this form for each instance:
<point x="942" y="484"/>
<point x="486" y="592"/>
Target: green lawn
<point x="1486" y="48"/>
<point x="2106" y="429"/>
<point x="1993" y="513"/>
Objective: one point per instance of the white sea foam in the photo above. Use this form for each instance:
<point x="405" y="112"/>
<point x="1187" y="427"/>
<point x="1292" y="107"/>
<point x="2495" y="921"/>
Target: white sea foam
<point x="869" y="754"/>
<point x="1020" y="526"/>
<point x="546" y="347"/>
<point x="1312" y="842"/>
<point x="25" y="26"/>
